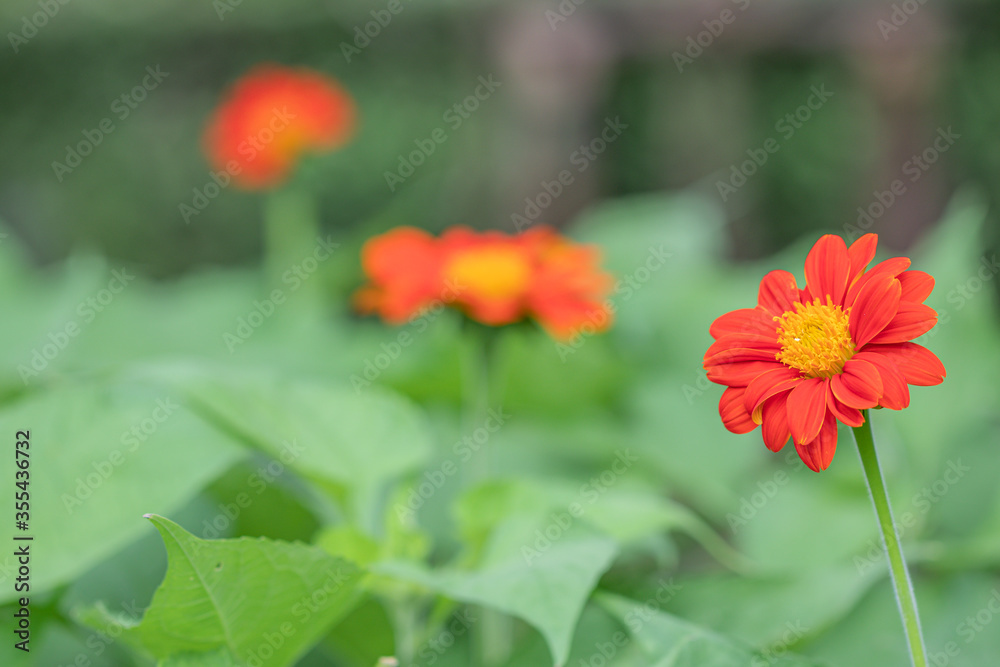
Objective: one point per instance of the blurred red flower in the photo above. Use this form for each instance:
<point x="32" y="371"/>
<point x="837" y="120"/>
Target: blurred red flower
<point x="270" y="117"/>
<point x="494" y="278"/>
<point x="804" y="359"/>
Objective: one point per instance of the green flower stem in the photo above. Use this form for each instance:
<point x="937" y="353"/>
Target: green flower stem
<point x="493" y="633"/>
<point x="291" y="228"/>
<point x="890" y="540"/>
<point x="404" y="623"/>
<point x="479" y="375"/>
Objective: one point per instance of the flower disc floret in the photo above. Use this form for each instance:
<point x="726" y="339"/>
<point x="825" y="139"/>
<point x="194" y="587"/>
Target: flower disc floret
<point x="814" y="338"/>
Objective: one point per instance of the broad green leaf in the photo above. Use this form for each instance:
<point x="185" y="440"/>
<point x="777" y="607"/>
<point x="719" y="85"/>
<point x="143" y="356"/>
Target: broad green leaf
<point x="116" y="627"/>
<point x="255" y="598"/>
<point x="363" y="635"/>
<point x="626" y="514"/>
<point x="759" y="610"/>
<point x="356" y="440"/>
<point x="348" y="542"/>
<point x="221" y="658"/>
<point x="541" y="580"/>
<point x="958" y="617"/>
<point x="101" y="455"/>
<point x="668" y="641"/>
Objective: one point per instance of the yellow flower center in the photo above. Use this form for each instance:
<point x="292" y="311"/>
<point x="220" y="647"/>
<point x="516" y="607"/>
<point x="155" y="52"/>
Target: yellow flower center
<point x="814" y="338"/>
<point x="491" y="272"/>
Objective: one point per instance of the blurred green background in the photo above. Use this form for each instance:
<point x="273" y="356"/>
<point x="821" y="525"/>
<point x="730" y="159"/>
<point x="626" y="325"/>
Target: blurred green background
<point x="891" y="91"/>
<point x="811" y="585"/>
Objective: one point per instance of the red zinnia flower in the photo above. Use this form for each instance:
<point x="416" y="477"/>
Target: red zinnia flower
<point x="404" y="270"/>
<point x="494" y="278"/>
<point x="270" y="117"/>
<point x="804" y="359"/>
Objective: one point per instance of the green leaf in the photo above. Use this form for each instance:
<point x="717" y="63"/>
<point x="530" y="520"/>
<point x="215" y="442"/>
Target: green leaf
<point x="759" y="610"/>
<point x="957" y="616"/>
<point x="356" y="440"/>
<point x="543" y="581"/>
<point x="627" y="514"/>
<point x="255" y="598"/>
<point x="222" y="658"/>
<point x="101" y="455"/>
<point x="349" y="542"/>
<point x="668" y="641"/>
<point x="118" y="627"/>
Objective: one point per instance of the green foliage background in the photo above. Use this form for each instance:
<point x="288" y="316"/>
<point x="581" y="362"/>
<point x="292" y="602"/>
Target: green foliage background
<point x="261" y="502"/>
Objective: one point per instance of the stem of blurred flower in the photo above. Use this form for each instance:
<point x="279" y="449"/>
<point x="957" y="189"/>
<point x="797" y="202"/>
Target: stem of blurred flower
<point x="890" y="540"/>
<point x="493" y="635"/>
<point x="404" y="626"/>
<point x="290" y="231"/>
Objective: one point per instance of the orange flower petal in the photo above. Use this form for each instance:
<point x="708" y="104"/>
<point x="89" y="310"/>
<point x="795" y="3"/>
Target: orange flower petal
<point x="874" y="308"/>
<point x="740" y="348"/>
<point x="777" y="292"/>
<point x="740" y="373"/>
<point x="844" y="413"/>
<point x="919" y="365"/>
<point x="827" y="268"/>
<point x="768" y="384"/>
<point x="891" y="267"/>
<point x="895" y="393"/>
<point x="734" y="416"/>
<point x="774" y="428"/>
<point x="911" y="320"/>
<point x="859" y="385"/>
<point x="917" y="285"/>
<point x="818" y="453"/>
<point x="806" y="409"/>
<point x="744" y="321"/>
<point x="861" y="253"/>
